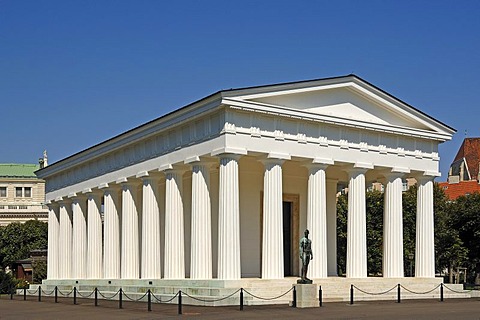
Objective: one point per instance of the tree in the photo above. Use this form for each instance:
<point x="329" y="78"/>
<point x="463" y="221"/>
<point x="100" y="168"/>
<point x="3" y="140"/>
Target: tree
<point x="18" y="239"/>
<point x="464" y="215"/>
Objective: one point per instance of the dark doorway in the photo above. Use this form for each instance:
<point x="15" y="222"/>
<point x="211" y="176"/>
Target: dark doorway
<point x="287" y="238"/>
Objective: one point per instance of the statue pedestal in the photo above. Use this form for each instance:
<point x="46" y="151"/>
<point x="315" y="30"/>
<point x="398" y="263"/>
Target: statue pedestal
<point x="307" y="296"/>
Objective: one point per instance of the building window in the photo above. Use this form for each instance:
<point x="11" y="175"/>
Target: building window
<point x="3" y="192"/>
<point x="18" y="192"/>
<point x="27" y="192"/>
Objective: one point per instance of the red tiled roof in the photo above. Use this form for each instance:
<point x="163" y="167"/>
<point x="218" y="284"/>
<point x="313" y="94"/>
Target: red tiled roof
<point x="455" y="190"/>
<point x="470" y="150"/>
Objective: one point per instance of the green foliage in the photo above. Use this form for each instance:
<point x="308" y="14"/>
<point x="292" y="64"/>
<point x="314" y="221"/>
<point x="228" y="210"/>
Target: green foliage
<point x="464" y="218"/>
<point x="39" y="271"/>
<point x="18" y="239"/>
<point x="7" y="282"/>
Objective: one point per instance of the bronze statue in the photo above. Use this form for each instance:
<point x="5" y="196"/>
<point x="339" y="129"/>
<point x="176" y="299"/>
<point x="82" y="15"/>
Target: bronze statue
<point x="306" y="255"/>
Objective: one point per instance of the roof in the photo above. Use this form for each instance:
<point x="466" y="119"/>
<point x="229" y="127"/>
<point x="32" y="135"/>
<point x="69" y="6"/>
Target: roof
<point x="470" y="150"/>
<point x="455" y="190"/>
<point x="14" y="170"/>
<point x="216" y="98"/>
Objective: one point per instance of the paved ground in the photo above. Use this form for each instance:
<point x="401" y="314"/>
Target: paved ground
<point x="408" y="309"/>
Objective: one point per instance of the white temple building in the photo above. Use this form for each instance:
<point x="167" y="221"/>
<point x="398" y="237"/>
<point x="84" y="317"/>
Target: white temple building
<point x="224" y="187"/>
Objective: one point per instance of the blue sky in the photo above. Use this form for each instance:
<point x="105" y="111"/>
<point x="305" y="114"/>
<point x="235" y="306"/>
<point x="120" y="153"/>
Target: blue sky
<point x="75" y="73"/>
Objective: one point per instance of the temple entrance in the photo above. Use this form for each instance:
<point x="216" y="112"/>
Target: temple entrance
<point x="287" y="238"/>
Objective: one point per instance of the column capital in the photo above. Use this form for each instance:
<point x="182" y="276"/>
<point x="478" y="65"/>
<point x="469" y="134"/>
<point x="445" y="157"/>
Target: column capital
<point x="90" y="194"/>
<point x="75" y="197"/>
<point x="62" y="201"/>
<point x="229" y="151"/>
<point x="426" y="177"/>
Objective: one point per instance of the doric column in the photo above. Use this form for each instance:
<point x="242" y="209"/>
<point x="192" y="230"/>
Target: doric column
<point x="174" y="230"/>
<point x="332" y="227"/>
<point x="150" y="228"/>
<point x="130" y="244"/>
<point x="229" y="219"/>
<point x="317" y="220"/>
<point x="65" y="240"/>
<point x="201" y="239"/>
<point x="424" y="247"/>
<point x="79" y="235"/>
<point x="393" y="227"/>
<point x="272" y="253"/>
<point x="112" y="222"/>
<point x="53" y="241"/>
<point x="94" y="234"/>
<point x="356" y="225"/>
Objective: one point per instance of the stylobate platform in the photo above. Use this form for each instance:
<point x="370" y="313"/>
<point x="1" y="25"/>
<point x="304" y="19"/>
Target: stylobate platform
<point x="259" y="291"/>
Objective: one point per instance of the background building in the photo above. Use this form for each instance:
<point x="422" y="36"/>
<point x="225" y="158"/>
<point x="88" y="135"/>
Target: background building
<point x="21" y="193"/>
<point x="463" y="176"/>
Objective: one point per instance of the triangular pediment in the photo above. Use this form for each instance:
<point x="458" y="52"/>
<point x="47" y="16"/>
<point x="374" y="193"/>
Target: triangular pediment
<point x="346" y="99"/>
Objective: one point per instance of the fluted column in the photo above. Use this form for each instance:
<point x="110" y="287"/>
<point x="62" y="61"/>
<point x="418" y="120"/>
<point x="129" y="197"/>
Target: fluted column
<point x="229" y="219"/>
<point x="174" y="228"/>
<point x="112" y="222"/>
<point x="201" y="240"/>
<point x="150" y="229"/>
<point x="79" y="235"/>
<point x="94" y="234"/>
<point x="356" y="225"/>
<point x="53" y="241"/>
<point x="332" y="227"/>
<point x="130" y="244"/>
<point x="393" y="227"/>
<point x="65" y="240"/>
<point x="424" y="247"/>
<point x="317" y="220"/>
<point x="272" y="253"/>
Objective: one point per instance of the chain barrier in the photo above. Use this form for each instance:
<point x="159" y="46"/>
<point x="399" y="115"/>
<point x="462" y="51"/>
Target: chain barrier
<point x="108" y="298"/>
<point x="135" y="300"/>
<point x="267" y="299"/>
<point x="33" y="291"/>
<point x="375" y="293"/>
<point x="48" y="294"/>
<point x="464" y="291"/>
<point x="210" y="300"/>
<point x="425" y="292"/>
<point x="63" y="294"/>
<point x="87" y="296"/>
<point x="160" y="299"/>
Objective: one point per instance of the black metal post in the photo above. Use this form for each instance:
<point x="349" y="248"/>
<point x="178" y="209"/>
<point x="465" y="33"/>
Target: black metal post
<point x="149" y="300"/>
<point x="294" y="302"/>
<point x="120" y="302"/>
<point x="398" y="293"/>
<point x="74" y="295"/>
<point x="11" y="294"/>
<point x="351" y="294"/>
<point x="320" y="295"/>
<point x="180" y="302"/>
<point x="24" y="294"/>
<point x="39" y="294"/>
<point x="96" y="296"/>
<point x="56" y="294"/>
<point x="241" y="299"/>
<point x="441" y="292"/>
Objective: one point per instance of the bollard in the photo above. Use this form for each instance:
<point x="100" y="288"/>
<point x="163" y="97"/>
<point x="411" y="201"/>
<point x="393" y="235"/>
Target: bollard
<point x="56" y="294"/>
<point x="398" y="293"/>
<point x="149" y="301"/>
<point x="24" y="294"/>
<point x="11" y="294"/>
<point x="74" y="295"/>
<point x="39" y="294"/>
<point x="320" y="295"/>
<point x="180" y="302"/>
<point x="241" y="299"/>
<point x="441" y="292"/>
<point x="96" y="297"/>
<point x="294" y="302"/>
<point x="351" y="294"/>
<point x="120" y="304"/>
